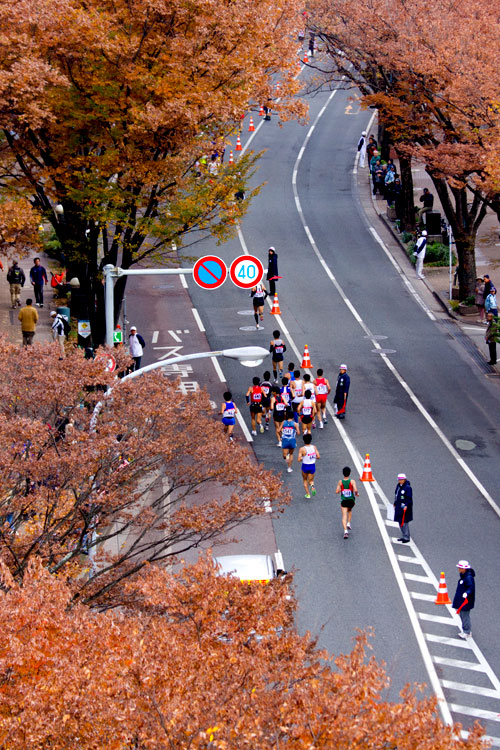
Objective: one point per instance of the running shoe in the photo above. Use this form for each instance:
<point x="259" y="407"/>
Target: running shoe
<point x="258" y="327"/>
<point x="321" y="425"/>
<point x="307" y="497"/>
<point x="289" y="470"/>
<point x="325" y="420"/>
<point x="465" y="636"/>
<point x="261" y="428"/>
<point x="278" y="445"/>
<point x="267" y="426"/>
<point x="254" y="432"/>
<point x="346" y="535"/>
<point x="349" y="526"/>
<point x="313" y="490"/>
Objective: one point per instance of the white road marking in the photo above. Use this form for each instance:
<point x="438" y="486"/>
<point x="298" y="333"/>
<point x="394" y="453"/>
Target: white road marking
<point x="243" y="426"/>
<point x="494" y="741"/>
<point x="196" y="316"/>
<point x="458" y="664"/>
<point x="170" y="351"/>
<point x="218" y="369"/>
<point x="456" y="642"/>
<point x="422" y="597"/>
<point x="403" y="558"/>
<point x="475" y="689"/>
<point x="479" y="713"/>
<point x="175" y="336"/>
<point x="183" y="279"/>
<point x="154" y="337"/>
<point x="414" y="577"/>
<point x="436" y="618"/>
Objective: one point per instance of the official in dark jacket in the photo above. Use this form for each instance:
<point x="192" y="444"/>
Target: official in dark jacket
<point x="403" y="507"/>
<point x="465" y="596"/>
<point x="342" y="392"/>
<point x="272" y="270"/>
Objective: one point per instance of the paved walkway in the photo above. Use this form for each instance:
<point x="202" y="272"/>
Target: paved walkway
<point x="437" y="279"/>
<point x="9" y="323"/>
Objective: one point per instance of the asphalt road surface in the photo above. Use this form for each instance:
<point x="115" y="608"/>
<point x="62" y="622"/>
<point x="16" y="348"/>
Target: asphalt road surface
<point x="415" y="392"/>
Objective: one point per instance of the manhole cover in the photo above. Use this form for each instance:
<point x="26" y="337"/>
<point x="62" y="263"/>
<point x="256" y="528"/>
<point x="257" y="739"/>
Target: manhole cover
<point x="465" y="445"/>
<point x="376" y="337"/>
<point x="245" y="312"/>
<point x="384" y="351"/>
<point x="250" y="328"/>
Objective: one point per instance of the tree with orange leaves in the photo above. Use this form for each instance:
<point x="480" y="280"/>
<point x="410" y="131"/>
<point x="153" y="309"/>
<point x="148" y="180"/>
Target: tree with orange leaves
<point x="113" y="111"/>
<point x="201" y="662"/>
<point x="97" y="494"/>
<point x="431" y="71"/>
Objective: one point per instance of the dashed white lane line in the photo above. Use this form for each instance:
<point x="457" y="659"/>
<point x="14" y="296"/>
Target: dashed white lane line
<point x="154" y="337"/>
<point x="218" y="369"/>
<point x="244" y="428"/>
<point x="196" y="316"/>
<point x="183" y="280"/>
<point x="175" y="337"/>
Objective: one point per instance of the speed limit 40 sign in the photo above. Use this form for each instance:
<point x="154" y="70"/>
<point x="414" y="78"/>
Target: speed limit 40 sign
<point x="246" y="271"/>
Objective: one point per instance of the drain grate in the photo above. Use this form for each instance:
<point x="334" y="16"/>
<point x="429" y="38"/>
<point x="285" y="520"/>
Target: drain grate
<point x="469" y="346"/>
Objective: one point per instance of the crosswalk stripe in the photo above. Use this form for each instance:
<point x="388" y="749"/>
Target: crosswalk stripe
<point x="479" y="713"/>
<point x="474" y="689"/>
<point x="447" y="641"/>
<point x="436" y="618"/>
<point x="458" y="663"/>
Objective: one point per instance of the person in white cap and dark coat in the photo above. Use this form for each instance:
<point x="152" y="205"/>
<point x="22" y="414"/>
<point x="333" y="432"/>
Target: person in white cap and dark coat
<point x="419" y="253"/>
<point x="362" y="149"/>
<point x="272" y="270"/>
<point x="136" y="346"/>
<point x="342" y="392"/>
<point x="465" y="597"/>
<point x="403" y="507"/>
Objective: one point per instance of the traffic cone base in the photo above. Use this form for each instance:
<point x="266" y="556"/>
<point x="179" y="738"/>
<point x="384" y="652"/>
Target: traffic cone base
<point x="275" y="310"/>
<point x="306" y="359"/>
<point x="306" y="59"/>
<point x="251" y="126"/>
<point x="367" y="475"/>
<point x="442" y="594"/>
<point x="238" y="144"/>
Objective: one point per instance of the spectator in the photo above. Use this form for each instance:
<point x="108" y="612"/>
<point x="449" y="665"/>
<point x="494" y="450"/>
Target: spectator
<point x="38" y="276"/>
<point x="58" y="333"/>
<point x="491" y="338"/>
<point x="29" y="318"/>
<point x="136" y="347"/>
<point x="479" y="292"/>
<point x="371" y="147"/>
<point x="374" y="159"/>
<point x="16" y="279"/>
<point x="487" y="285"/>
<point x="362" y="149"/>
<point x="272" y="270"/>
<point x="378" y="179"/>
<point x="427" y="200"/>
<point x="397" y="191"/>
<point x="490" y="303"/>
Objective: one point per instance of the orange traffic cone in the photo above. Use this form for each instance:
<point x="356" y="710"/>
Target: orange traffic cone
<point x="238" y="144"/>
<point x="251" y="126"/>
<point x="442" y="594"/>
<point x="306" y="359"/>
<point x="261" y="111"/>
<point x="231" y="160"/>
<point x="367" y="475"/>
<point x="276" y="306"/>
<point x="306" y="59"/>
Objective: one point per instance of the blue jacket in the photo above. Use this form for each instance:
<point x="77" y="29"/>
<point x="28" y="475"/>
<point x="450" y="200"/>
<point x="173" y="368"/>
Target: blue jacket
<point x="342" y="389"/>
<point x="466" y="585"/>
<point x="38" y="275"/>
<point x="403" y="496"/>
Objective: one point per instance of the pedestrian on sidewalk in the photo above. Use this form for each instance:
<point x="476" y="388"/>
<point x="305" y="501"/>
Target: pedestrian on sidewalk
<point x="29" y="318"/>
<point x="491" y="337"/>
<point x="362" y="149"/>
<point x="487" y="285"/>
<point x="342" y="392"/>
<point x="479" y="292"/>
<point x="38" y="277"/>
<point x="419" y="253"/>
<point x="58" y="332"/>
<point x="308" y="455"/>
<point x="16" y="279"/>
<point x="465" y="597"/>
<point x="370" y="148"/>
<point x="403" y="507"/>
<point x="347" y="490"/>
<point x="490" y="303"/>
<point x="427" y="201"/>
<point x="272" y="270"/>
<point x="136" y="346"/>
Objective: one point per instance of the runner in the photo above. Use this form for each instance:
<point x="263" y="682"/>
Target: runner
<point x="277" y="348"/>
<point x="254" y="398"/>
<point x="286" y="391"/>
<point x="308" y="455"/>
<point x="266" y="397"/>
<point x="306" y="410"/>
<point x="258" y="294"/>
<point x="322" y="390"/>
<point x="228" y="411"/>
<point x="298" y="394"/>
<point x="309" y="385"/>
<point x="279" y="412"/>
<point x="291" y="371"/>
<point x="289" y="439"/>
<point x="347" y="489"/>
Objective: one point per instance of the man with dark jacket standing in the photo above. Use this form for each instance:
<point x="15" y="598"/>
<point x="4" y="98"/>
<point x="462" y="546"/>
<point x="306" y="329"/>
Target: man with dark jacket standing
<point x="403" y="507"/>
<point x="342" y="392"/>
<point x="465" y="596"/>
<point x="38" y="277"/>
<point x="16" y="279"/>
<point x="272" y="270"/>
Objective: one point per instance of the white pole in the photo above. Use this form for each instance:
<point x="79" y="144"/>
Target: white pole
<point x="450" y="251"/>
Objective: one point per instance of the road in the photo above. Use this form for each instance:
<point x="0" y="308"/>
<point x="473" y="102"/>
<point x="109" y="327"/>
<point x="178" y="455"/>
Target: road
<point x="407" y="408"/>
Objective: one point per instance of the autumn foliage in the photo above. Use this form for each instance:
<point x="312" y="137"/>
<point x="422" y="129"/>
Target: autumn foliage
<point x="202" y="662"/>
<point x="97" y="494"/>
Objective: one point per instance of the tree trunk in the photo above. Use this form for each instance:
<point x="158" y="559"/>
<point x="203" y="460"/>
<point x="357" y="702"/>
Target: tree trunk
<point x="407" y="197"/>
<point x="465" y="245"/>
<point x="384" y="139"/>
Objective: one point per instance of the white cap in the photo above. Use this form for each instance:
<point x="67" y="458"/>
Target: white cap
<point x="343" y="367"/>
<point x="364" y="132"/>
<point x="463" y="564"/>
<point x="401" y="476"/>
<point x="53" y="312"/>
<point x="133" y="328"/>
<point x="272" y="248"/>
<point x="424" y="233"/>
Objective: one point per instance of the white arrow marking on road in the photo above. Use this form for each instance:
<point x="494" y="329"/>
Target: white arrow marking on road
<point x="172" y="351"/>
<point x="175" y="336"/>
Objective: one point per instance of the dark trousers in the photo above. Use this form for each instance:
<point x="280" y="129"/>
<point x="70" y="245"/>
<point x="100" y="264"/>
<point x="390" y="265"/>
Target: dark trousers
<point x="272" y="288"/>
<point x="492" y="345"/>
<point x="137" y="363"/>
<point x="38" y="293"/>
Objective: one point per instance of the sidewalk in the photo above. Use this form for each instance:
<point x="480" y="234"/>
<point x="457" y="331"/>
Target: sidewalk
<point x="9" y="323"/>
<point x="437" y="279"/>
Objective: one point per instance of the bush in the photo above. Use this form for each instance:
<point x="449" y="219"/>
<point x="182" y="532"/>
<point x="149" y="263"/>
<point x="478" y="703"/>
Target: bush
<point x="406" y="237"/>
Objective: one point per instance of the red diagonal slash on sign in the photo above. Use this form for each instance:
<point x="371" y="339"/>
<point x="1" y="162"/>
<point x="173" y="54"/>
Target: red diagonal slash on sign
<point x="202" y="265"/>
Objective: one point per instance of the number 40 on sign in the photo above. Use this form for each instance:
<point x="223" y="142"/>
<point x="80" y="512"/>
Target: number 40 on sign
<point x="246" y="271"/>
